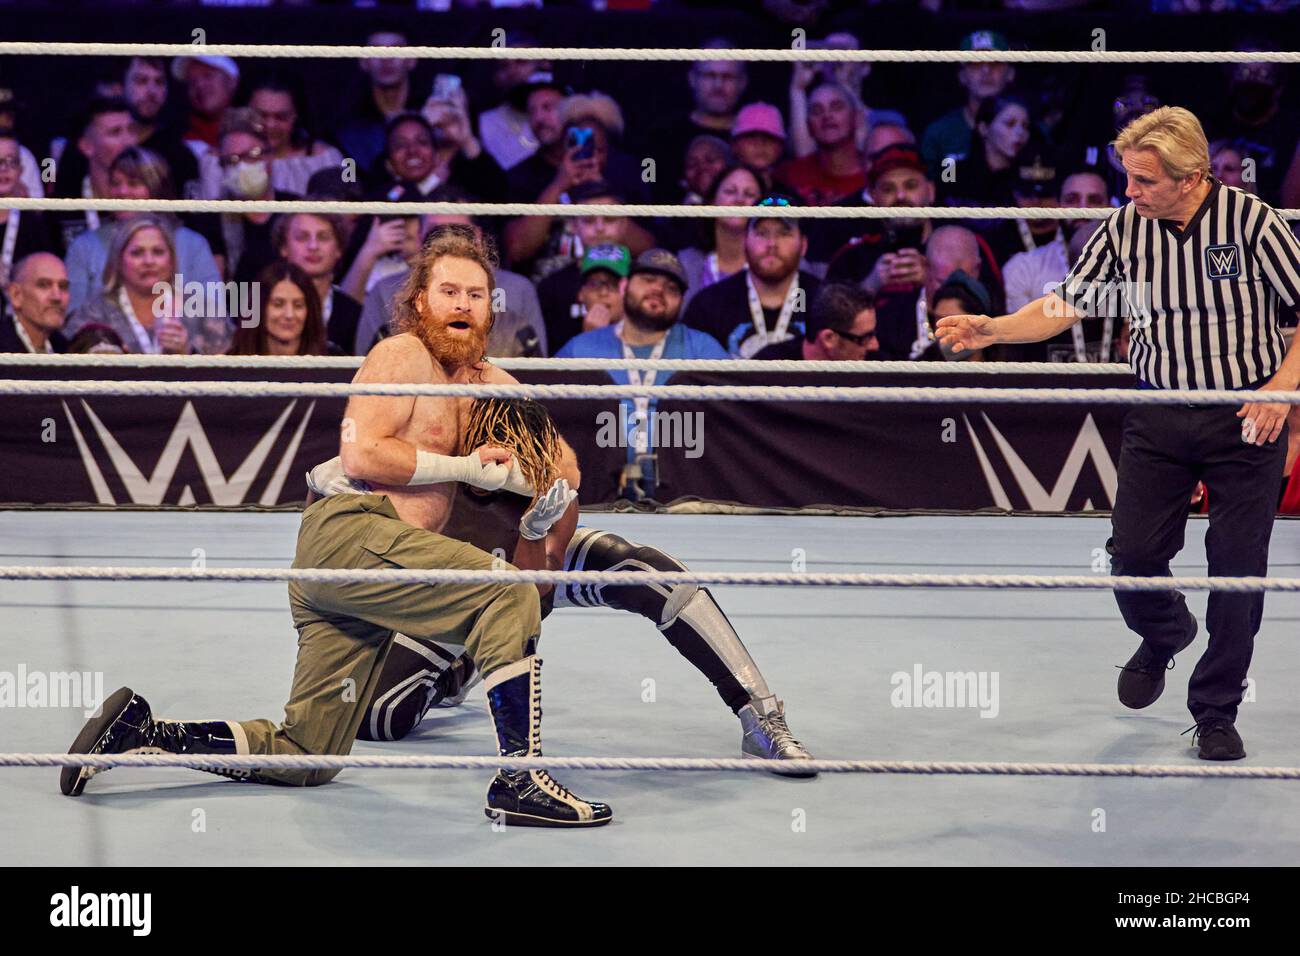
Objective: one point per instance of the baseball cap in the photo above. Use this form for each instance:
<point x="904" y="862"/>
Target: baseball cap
<point x="664" y="263"/>
<point x="223" y="63"/>
<point x="985" y="40"/>
<point x="759" y="118"/>
<point x="538" y="80"/>
<point x="1036" y="178"/>
<point x="898" y="156"/>
<point x="611" y="256"/>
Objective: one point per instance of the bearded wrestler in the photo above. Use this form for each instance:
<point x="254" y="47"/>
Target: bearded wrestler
<point x="419" y="675"/>
<point x="409" y="451"/>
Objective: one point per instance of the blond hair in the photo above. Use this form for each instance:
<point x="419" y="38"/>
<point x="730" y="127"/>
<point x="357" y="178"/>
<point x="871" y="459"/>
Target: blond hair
<point x="1175" y="135"/>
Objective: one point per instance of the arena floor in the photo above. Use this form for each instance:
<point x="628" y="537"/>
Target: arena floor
<point x="212" y="650"/>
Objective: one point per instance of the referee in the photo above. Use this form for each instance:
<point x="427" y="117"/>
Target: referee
<point x="1203" y="270"/>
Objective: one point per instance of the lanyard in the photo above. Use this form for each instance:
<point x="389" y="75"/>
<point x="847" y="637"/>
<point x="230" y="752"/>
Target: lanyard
<point x="327" y="307"/>
<point x="1081" y="347"/>
<point x="11" y="240"/>
<point x="148" y="343"/>
<point x="762" y="336"/>
<point x="638" y="377"/>
<point x="92" y="217"/>
<point x="27" y="340"/>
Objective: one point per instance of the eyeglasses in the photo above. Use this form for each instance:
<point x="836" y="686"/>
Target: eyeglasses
<point x="856" y="339"/>
<point x="250" y="156"/>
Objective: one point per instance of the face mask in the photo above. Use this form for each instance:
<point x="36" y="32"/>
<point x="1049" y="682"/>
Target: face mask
<point x="247" y="180"/>
<point x="1252" y="100"/>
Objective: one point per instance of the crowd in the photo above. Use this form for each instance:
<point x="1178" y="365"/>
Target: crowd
<point x="597" y="285"/>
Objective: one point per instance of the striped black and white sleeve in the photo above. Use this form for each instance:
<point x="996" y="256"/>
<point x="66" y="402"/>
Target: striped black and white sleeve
<point x="1089" y="281"/>
<point x="1277" y="250"/>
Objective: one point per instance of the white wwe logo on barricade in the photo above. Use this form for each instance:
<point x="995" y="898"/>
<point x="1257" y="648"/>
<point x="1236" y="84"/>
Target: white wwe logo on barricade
<point x="188" y="433"/>
<point x="1088" y="444"/>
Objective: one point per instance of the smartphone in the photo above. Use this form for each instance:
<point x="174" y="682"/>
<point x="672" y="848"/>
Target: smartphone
<point x="445" y="86"/>
<point x="898" y="238"/>
<point x="583" y="140"/>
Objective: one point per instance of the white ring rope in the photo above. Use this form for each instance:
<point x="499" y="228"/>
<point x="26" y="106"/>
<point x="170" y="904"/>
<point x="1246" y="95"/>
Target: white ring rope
<point x="706" y="764"/>
<point x="137" y="360"/>
<point x="507" y="575"/>
<point x="667" y="54"/>
<point x="870" y="394"/>
<point x="413" y="208"/>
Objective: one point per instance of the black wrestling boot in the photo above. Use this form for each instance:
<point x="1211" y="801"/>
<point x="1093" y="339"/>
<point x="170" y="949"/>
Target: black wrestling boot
<point x="529" y="798"/>
<point x="1218" y="739"/>
<point x="1142" y="679"/>
<point x="126" y="725"/>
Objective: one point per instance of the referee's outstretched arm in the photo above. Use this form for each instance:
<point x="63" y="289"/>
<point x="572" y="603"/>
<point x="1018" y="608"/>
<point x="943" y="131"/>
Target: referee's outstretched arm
<point x="1036" y="321"/>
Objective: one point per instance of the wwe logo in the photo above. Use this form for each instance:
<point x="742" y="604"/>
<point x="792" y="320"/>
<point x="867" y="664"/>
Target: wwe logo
<point x="1222" y="262"/>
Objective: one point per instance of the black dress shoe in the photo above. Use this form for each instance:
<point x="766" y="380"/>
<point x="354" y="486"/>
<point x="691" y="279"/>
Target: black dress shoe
<point x="1142" y="679"/>
<point x="1218" y="739"/>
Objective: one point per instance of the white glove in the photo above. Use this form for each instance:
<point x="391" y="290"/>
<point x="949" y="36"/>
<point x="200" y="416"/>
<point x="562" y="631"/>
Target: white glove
<point x="328" y="478"/>
<point x="546" y="510"/>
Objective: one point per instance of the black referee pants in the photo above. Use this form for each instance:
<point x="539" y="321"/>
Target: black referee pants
<point x="1165" y="450"/>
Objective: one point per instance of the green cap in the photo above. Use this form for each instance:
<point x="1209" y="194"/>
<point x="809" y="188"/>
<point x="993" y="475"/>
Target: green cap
<point x="616" y="258"/>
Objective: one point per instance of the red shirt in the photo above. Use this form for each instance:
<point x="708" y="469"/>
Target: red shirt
<point x="816" y="187"/>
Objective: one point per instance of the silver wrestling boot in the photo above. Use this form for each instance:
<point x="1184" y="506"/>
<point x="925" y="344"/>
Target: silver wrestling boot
<point x="767" y="737"/>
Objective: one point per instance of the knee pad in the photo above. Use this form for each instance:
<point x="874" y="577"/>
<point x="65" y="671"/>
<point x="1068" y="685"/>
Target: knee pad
<point x="408" y="687"/>
<point x="595" y="550"/>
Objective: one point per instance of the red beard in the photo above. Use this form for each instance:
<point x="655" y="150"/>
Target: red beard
<point x="451" y="348"/>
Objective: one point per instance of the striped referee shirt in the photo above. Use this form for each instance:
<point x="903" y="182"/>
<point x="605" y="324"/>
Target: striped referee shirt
<point x="1202" y="302"/>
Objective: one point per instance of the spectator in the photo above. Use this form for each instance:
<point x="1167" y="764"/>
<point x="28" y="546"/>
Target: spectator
<point x="849" y="75"/>
<point x="604" y="280"/>
<point x="705" y="158"/>
<point x="958" y="295"/>
<point x="295" y="155"/>
<point x="517" y="327"/>
<point x="21" y="233"/>
<point x="652" y="302"/>
<point x="765" y="302"/>
<point x="577" y="151"/>
<point x="841" y="327"/>
<point x="504" y="129"/>
<point x="210" y="84"/>
<point x="137" y="174"/>
<point x="983" y="176"/>
<point x="313" y="244"/>
<point x="758" y="139"/>
<point x="951" y="134"/>
<point x="420" y="156"/>
<point x="37" y="297"/>
<point x="828" y="236"/>
<point x="723" y="254"/>
<point x="145" y="91"/>
<point x="143" y="255"/>
<point x="290" y="317"/>
<point x="103" y="132"/>
<point x="558" y="291"/>
<point x="1029" y="275"/>
<point x="1033" y="186"/>
<point x="1253" y="112"/>
<point x="245" y="162"/>
<point x="717" y="88"/>
<point x="835" y="170"/>
<point x="30" y="173"/>
<point x="1232" y="164"/>
<point x="390" y="242"/>
<point x="889" y="250"/>
<point x="388" y="92"/>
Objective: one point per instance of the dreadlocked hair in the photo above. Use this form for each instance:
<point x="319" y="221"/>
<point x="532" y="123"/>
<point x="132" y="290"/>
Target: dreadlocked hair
<point x="525" y="428"/>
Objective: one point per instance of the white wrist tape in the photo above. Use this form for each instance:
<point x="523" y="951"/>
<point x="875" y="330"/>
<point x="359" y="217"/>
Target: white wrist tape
<point x="433" y="469"/>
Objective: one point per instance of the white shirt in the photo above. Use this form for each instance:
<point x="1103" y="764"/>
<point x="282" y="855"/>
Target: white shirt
<point x="1030" y="275"/>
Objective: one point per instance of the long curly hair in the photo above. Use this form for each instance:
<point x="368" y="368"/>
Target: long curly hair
<point x="525" y="428"/>
<point x="452" y="239"/>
